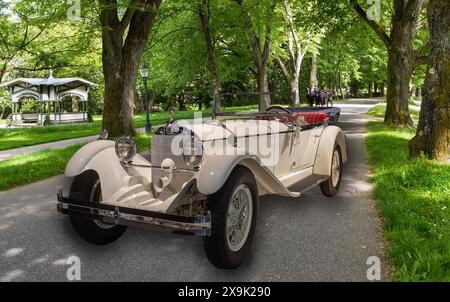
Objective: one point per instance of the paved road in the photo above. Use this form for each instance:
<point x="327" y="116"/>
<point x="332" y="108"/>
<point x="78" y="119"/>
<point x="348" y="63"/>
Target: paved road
<point x="310" y="238"/>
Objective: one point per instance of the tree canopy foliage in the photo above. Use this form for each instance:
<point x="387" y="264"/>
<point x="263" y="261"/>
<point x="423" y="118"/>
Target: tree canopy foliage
<point x="38" y="36"/>
<point x="198" y="48"/>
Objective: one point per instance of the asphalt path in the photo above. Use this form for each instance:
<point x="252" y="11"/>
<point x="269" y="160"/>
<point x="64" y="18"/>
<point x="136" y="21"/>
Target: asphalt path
<point x="310" y="238"/>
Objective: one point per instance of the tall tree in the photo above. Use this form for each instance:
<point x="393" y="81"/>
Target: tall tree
<point x="402" y="57"/>
<point x="313" y="82"/>
<point x="297" y="48"/>
<point x="204" y="12"/>
<point x="260" y="36"/>
<point x="124" y="41"/>
<point x="23" y="24"/>
<point x="433" y="132"/>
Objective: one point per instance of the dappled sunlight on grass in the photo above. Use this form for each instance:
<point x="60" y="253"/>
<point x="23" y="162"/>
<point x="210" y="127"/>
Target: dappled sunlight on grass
<point x="380" y="109"/>
<point x="413" y="197"/>
<point x="32" y="167"/>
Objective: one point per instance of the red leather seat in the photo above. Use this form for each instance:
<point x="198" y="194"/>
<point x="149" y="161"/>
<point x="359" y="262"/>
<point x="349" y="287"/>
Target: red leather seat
<point x="313" y="118"/>
<point x="310" y="118"/>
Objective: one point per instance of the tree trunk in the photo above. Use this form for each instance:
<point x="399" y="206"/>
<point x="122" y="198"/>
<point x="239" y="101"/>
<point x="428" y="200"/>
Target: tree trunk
<point x="433" y="132"/>
<point x="375" y="89"/>
<point x="370" y="89"/>
<point x="354" y="88"/>
<point x="139" y="106"/>
<point x="296" y="53"/>
<point x="151" y="99"/>
<point x="261" y="55"/>
<point x="382" y="89"/>
<point x="204" y="12"/>
<point x="261" y="60"/>
<point x="120" y="84"/>
<point x="293" y="85"/>
<point x="401" y="61"/>
<point x="263" y="88"/>
<point x="402" y="58"/>
<point x="181" y="100"/>
<point x="123" y="44"/>
<point x="313" y="74"/>
<point x="340" y="86"/>
<point x="400" y="68"/>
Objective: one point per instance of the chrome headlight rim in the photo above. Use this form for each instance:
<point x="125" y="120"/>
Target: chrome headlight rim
<point x="122" y="142"/>
<point x="192" y="159"/>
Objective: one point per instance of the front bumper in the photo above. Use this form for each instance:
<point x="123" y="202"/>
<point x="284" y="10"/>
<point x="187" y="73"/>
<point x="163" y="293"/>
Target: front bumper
<point x="111" y="214"/>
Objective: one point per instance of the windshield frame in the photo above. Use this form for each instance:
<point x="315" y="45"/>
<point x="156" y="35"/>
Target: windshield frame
<point x="218" y="97"/>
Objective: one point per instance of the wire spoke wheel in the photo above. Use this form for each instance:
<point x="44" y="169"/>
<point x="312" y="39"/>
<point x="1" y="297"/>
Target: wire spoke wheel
<point x="87" y="187"/>
<point x="335" y="169"/>
<point x="239" y="217"/>
<point x="330" y="187"/>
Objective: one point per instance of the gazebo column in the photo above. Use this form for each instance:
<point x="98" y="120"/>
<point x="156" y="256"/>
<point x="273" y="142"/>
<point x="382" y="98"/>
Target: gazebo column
<point x="39" y="111"/>
<point x="13" y="118"/>
<point x="86" y="110"/>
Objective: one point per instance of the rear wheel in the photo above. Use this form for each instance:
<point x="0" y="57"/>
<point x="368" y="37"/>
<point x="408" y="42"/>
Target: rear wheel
<point x="87" y="187"/>
<point x="234" y="209"/>
<point x="330" y="187"/>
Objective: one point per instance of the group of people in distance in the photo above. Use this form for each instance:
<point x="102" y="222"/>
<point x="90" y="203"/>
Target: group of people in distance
<point x="319" y="97"/>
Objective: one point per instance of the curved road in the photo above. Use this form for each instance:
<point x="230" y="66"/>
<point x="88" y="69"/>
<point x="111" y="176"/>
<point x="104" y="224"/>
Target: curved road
<point x="310" y="238"/>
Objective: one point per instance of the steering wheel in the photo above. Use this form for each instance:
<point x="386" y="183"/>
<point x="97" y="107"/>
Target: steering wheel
<point x="285" y="117"/>
<point x="278" y="108"/>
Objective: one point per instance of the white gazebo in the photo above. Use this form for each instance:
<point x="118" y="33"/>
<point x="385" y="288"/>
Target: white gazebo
<point x="51" y="95"/>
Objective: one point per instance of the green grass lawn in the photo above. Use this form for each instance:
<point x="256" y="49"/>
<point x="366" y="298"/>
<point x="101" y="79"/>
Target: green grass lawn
<point x="32" y="167"/>
<point x="414" y="199"/>
<point x="380" y="109"/>
<point x="28" y="168"/>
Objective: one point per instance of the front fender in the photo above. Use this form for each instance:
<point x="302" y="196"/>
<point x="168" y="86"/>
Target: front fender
<point x="99" y="156"/>
<point x="216" y="170"/>
<point x="331" y="136"/>
<point x="80" y="159"/>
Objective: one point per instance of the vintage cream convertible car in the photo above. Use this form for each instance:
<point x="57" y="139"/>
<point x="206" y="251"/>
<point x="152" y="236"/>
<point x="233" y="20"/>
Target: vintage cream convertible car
<point x="204" y="178"/>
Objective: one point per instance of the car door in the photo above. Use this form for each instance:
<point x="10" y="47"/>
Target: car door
<point x="306" y="148"/>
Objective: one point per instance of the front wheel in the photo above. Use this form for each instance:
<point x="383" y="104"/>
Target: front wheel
<point x="330" y="187"/>
<point x="87" y="187"/>
<point x="234" y="209"/>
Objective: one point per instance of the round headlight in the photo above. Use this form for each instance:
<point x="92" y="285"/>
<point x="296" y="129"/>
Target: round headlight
<point x="192" y="151"/>
<point x="125" y="149"/>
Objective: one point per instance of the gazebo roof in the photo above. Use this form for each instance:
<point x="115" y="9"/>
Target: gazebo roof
<point x="46" y="81"/>
<point x="48" y="89"/>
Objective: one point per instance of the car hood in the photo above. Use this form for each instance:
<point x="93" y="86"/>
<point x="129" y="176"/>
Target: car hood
<point x="213" y="130"/>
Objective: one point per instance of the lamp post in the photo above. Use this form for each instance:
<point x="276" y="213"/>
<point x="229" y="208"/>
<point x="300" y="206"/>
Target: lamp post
<point x="144" y="74"/>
